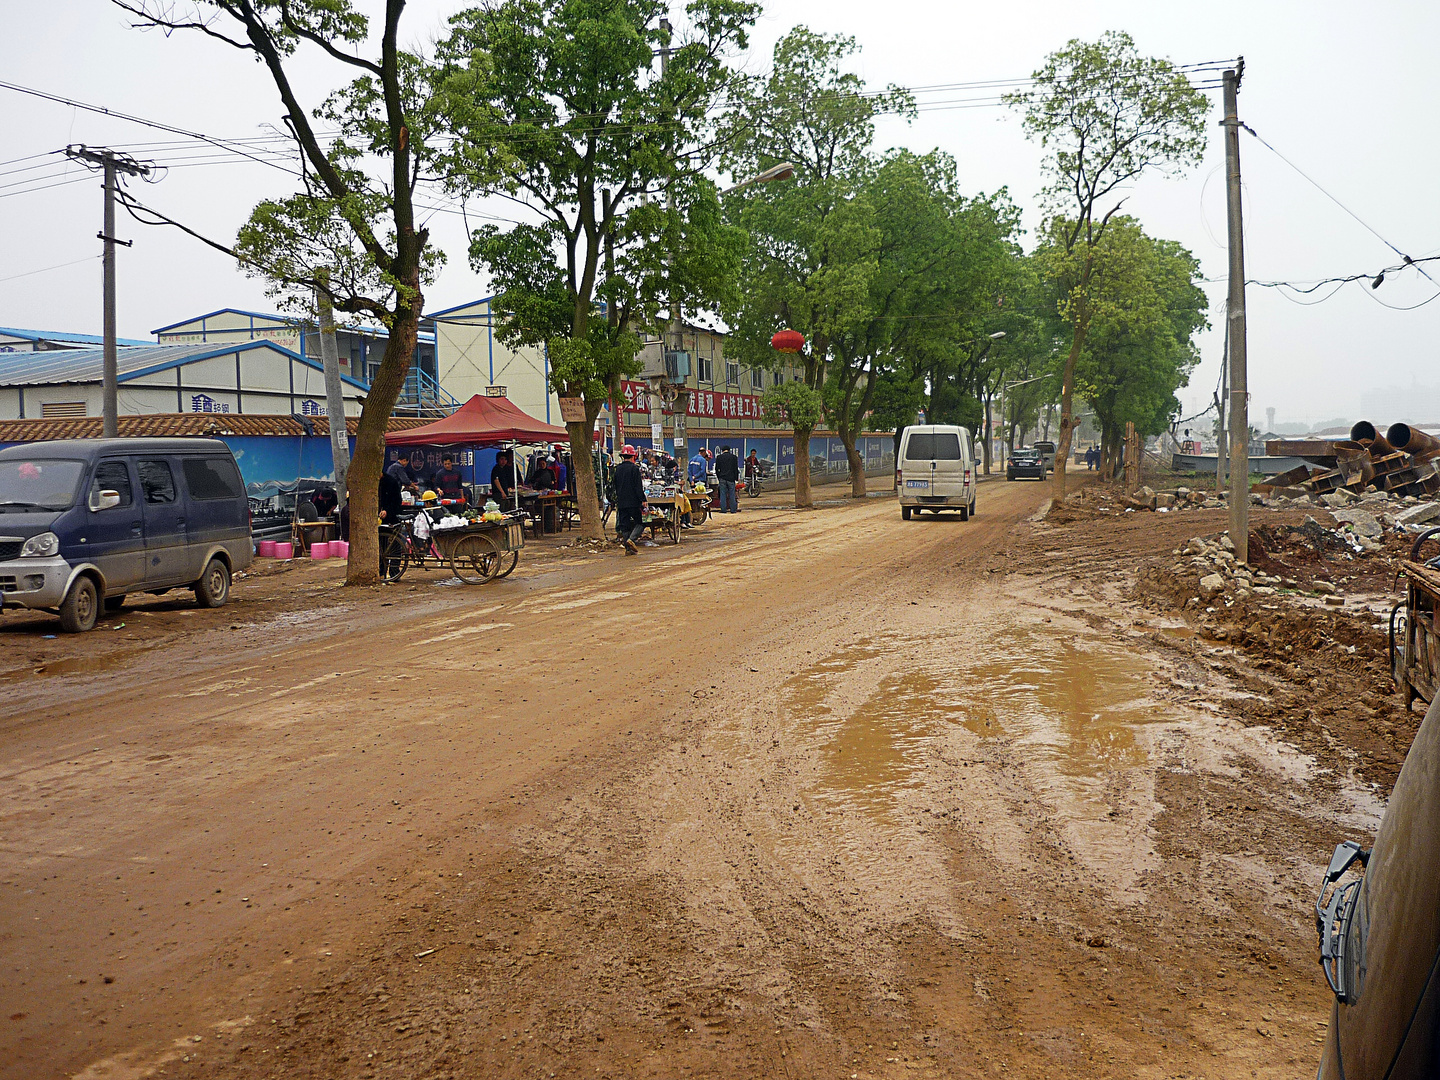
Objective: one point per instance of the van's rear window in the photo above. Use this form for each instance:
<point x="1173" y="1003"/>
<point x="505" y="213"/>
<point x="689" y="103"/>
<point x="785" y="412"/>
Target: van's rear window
<point x="213" y="478"/>
<point x="936" y="446"/>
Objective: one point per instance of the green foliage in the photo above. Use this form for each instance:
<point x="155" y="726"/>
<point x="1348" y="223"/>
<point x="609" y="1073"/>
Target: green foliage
<point x="605" y="151"/>
<point x="794" y="405"/>
<point x="1108" y="114"/>
<point x="813" y="240"/>
<point x="1145" y="305"/>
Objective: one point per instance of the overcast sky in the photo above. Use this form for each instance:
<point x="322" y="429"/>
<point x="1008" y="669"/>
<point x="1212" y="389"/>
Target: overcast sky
<point x="1349" y="93"/>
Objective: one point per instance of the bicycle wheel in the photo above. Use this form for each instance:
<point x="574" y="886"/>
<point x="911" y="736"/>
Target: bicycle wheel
<point x="508" y="562"/>
<point x="475" y="559"/>
<point x="394" y="556"/>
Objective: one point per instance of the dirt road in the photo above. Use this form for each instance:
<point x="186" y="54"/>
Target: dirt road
<point x="822" y="794"/>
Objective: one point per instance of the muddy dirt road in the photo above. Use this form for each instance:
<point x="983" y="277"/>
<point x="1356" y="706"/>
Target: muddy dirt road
<point x="824" y="794"/>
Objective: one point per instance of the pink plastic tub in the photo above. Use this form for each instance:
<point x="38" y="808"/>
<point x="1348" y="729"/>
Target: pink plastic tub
<point x="340" y="549"/>
<point x="284" y="550"/>
<point x="266" y="549"/>
<point x="320" y="549"/>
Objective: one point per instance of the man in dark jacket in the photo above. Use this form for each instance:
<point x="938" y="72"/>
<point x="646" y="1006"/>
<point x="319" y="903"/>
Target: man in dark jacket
<point x="448" y="481"/>
<point x="630" y="501"/>
<point x="389" y="499"/>
<point x="727" y="472"/>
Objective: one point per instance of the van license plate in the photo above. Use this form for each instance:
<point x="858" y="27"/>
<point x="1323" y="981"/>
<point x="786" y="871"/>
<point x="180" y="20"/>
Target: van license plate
<point x="917" y="483"/>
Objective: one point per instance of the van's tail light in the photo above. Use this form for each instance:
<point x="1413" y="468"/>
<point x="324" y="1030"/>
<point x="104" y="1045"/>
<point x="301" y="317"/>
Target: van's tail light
<point x="898" y="477"/>
<point x="967" y="476"/>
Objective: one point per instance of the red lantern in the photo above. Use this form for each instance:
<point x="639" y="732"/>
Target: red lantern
<point x="788" y="341"/>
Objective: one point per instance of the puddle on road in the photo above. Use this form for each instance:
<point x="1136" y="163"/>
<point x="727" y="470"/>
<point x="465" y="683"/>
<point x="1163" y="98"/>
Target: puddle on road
<point x="1070" y="705"/>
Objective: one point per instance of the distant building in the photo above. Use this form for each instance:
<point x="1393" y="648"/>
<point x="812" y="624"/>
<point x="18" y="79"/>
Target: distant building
<point x="12" y="340"/>
<point x="218" y="378"/>
<point x="361" y="349"/>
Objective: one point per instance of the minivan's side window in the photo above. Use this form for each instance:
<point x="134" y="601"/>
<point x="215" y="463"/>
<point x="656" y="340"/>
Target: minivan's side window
<point x="112" y="476"/>
<point x="156" y="481"/>
<point x="212" y="478"/>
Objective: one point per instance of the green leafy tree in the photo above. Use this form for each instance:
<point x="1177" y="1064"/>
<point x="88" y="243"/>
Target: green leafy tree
<point x="1106" y="115"/>
<point x="351" y="230"/>
<point x="1147" y="305"/>
<point x="800" y="408"/>
<point x="607" y="153"/>
<point x="812" y="241"/>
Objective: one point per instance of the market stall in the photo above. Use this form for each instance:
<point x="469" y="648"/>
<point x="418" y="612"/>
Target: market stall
<point x="481" y="423"/>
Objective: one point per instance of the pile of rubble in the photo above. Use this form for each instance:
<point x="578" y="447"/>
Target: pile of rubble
<point x="1214" y="561"/>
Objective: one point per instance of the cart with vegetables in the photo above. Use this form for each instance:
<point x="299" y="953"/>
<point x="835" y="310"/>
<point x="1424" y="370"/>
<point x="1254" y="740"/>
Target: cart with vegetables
<point x="478" y="548"/>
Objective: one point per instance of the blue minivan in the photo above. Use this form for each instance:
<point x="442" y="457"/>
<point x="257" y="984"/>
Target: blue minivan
<point x="83" y="522"/>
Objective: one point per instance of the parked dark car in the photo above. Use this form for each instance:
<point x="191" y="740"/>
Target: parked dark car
<point x="1380" y="933"/>
<point x="86" y="521"/>
<point x="1023" y="463"/>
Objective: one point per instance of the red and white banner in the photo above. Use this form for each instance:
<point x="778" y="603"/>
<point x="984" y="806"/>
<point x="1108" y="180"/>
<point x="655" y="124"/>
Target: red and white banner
<point x="703" y="403"/>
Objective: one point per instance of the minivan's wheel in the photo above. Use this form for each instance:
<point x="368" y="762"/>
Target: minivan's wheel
<point x="114" y="603"/>
<point x="80" y="607"/>
<point x="904" y="513"/>
<point x="213" y="588"/>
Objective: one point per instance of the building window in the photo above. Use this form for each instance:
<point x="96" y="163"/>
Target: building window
<point x="757" y="379"/>
<point x="60" y="409"/>
<point x="705" y="368"/>
<point x="732" y="373"/>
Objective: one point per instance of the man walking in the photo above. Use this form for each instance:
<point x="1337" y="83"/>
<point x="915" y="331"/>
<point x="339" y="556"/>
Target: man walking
<point x="727" y="472"/>
<point x="630" y="501"/>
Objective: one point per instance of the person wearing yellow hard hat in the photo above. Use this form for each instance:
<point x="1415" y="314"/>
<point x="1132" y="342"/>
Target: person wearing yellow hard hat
<point x="424" y="523"/>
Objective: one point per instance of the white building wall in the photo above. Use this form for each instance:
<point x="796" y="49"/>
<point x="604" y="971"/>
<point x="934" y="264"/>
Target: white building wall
<point x="469" y="359"/>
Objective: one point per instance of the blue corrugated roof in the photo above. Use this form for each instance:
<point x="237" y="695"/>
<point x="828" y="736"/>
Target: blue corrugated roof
<point x="79" y="339"/>
<point x="228" y="311"/>
<point x="84" y="365"/>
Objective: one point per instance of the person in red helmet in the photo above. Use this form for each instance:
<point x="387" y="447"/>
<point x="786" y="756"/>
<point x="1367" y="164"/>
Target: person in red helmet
<point x="630" y="501"/>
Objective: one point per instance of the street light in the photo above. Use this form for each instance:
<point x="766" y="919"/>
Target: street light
<point x="784" y="171"/>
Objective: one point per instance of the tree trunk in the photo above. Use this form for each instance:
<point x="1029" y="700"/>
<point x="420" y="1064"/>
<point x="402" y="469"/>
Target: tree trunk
<point x="369" y="460"/>
<point x="1068" y="423"/>
<point x="857" y="467"/>
<point x="803" y="501"/>
<point x="582" y="448"/>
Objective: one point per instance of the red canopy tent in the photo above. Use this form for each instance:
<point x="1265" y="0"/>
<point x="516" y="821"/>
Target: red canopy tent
<point x="481" y="421"/>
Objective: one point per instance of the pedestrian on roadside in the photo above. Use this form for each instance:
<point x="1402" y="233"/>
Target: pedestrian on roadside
<point x="727" y="472"/>
<point x="630" y="501"/>
<point x="699" y="467"/>
<point x="390" y="501"/>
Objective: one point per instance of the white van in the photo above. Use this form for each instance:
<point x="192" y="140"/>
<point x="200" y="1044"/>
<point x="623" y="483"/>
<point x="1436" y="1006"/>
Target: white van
<point x="936" y="470"/>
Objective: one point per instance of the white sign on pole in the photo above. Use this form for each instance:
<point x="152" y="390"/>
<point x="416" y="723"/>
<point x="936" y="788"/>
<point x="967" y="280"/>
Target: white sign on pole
<point x="657" y="437"/>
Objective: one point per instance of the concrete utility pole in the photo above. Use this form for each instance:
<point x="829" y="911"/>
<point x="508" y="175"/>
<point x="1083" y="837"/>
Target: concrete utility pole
<point x="334" y="396"/>
<point x="1222" y="402"/>
<point x="112" y="165"/>
<point x="1239" y="405"/>
<point x="681" y="402"/>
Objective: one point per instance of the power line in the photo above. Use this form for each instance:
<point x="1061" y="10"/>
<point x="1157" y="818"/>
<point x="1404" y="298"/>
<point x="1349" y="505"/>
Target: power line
<point x="1408" y="261"/>
<point x="47" y="269"/>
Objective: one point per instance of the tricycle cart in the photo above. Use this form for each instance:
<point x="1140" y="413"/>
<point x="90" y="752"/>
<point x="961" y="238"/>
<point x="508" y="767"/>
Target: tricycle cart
<point x="477" y="553"/>
<point x="1414" y="631"/>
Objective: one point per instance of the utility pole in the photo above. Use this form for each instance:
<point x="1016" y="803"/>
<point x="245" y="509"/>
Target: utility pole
<point x="334" y="396"/>
<point x="1235" y="321"/>
<point x="112" y="165"/>
<point x="1222" y="401"/>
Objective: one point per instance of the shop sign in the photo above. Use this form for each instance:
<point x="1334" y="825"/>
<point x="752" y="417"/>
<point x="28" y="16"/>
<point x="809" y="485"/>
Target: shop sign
<point x="708" y="404"/>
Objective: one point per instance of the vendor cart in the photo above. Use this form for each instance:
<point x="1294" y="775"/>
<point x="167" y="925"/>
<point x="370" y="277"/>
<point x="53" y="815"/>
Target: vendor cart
<point x="477" y="553"/>
<point x="1414" y="631"/>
